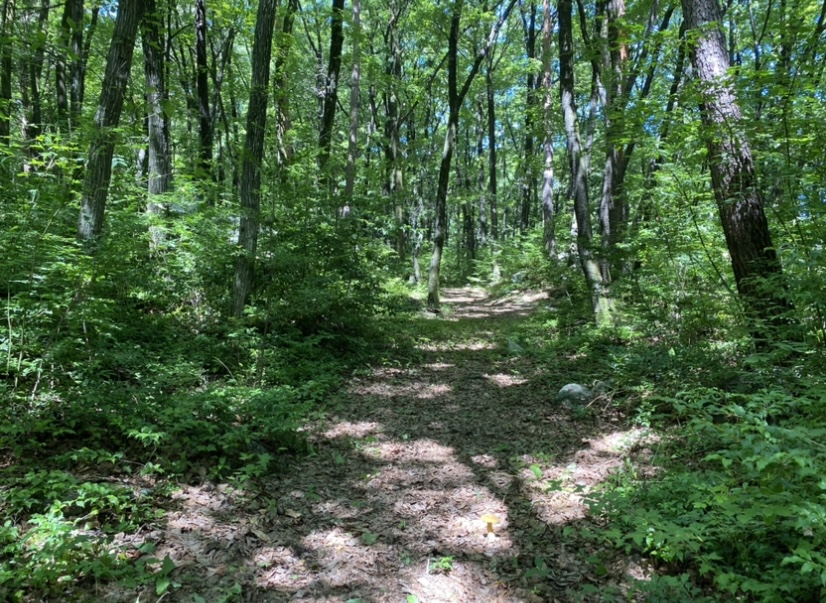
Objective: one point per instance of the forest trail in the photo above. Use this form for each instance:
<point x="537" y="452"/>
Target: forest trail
<point x="389" y="507"/>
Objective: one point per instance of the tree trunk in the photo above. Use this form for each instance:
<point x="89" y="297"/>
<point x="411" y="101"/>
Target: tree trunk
<point x="250" y="189"/>
<point x="392" y="127"/>
<point x="6" y="21"/>
<point x="600" y="299"/>
<point x="281" y="94"/>
<point x="83" y="40"/>
<point x="548" y="217"/>
<point x="613" y="209"/>
<point x="757" y="270"/>
<point x="528" y="176"/>
<point x="99" y="164"/>
<point x="328" y="113"/>
<point x="70" y="46"/>
<point x="355" y="78"/>
<point x="31" y="70"/>
<point x="158" y="158"/>
<point x="492" y="165"/>
<point x="202" y="84"/>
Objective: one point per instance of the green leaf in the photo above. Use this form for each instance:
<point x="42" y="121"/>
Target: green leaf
<point x="369" y="538"/>
<point x="168" y="566"/>
<point x="537" y="471"/>
<point x="161" y="585"/>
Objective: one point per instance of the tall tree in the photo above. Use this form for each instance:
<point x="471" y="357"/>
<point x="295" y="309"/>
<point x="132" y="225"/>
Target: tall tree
<point x="283" y="121"/>
<point x="154" y="52"/>
<point x="202" y="84"/>
<point x="394" y="174"/>
<point x="330" y="100"/>
<point x="35" y="21"/>
<point x="529" y="143"/>
<point x="739" y="200"/>
<point x="99" y="164"/>
<point x="71" y="49"/>
<point x="6" y="22"/>
<point x="159" y="156"/>
<point x="600" y="299"/>
<point x="355" y="80"/>
<point x="548" y="217"/>
<point x="456" y="97"/>
<point x="250" y="189"/>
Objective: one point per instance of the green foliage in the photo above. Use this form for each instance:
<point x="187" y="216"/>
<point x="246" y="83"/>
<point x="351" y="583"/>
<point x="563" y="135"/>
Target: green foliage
<point x="746" y="510"/>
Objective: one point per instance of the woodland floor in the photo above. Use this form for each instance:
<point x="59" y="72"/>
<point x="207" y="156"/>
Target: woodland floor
<point x="388" y="508"/>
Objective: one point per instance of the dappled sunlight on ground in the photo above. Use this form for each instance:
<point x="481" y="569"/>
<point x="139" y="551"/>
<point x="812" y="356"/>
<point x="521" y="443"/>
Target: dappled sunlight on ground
<point x="505" y="380"/>
<point x="391" y="502"/>
<point x="352" y="430"/>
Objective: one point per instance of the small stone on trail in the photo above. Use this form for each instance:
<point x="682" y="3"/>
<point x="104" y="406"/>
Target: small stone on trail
<point x="574" y="394"/>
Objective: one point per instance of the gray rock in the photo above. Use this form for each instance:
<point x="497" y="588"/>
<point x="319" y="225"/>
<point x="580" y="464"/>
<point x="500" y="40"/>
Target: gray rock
<point x="574" y="394"/>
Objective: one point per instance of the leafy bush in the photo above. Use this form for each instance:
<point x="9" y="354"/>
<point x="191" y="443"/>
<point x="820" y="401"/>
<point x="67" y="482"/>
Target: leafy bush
<point x="747" y="512"/>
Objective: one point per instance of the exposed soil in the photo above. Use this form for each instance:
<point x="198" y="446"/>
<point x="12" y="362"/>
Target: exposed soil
<point x="389" y="508"/>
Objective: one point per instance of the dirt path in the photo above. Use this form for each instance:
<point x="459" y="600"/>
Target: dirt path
<point x="389" y="508"/>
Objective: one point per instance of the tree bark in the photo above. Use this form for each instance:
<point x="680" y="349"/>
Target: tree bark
<point x="600" y="300"/>
<point x="6" y="21"/>
<point x="328" y="113"/>
<point x="32" y="69"/>
<point x="70" y="49"/>
<point x="202" y="84"/>
<point x="160" y="161"/>
<point x="283" y="120"/>
<point x="528" y="175"/>
<point x="250" y="189"/>
<point x="757" y="270"/>
<point x="392" y="126"/>
<point x="548" y="215"/>
<point x="355" y="79"/>
<point x="492" y="164"/>
<point x="99" y="164"/>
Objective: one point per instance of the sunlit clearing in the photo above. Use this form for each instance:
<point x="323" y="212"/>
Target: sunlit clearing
<point x="346" y="429"/>
<point x="450" y="346"/>
<point x="423" y="391"/>
<point x="503" y="380"/>
<point x="418" y="451"/>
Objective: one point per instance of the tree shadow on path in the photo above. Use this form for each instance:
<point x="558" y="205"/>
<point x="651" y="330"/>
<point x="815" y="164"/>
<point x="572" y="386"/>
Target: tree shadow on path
<point x="389" y="508"/>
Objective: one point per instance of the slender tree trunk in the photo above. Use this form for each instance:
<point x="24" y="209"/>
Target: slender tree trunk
<point x="328" y="114"/>
<point x="82" y="40"/>
<point x="70" y="48"/>
<point x="392" y="127"/>
<point x="6" y="21"/>
<point x="600" y="299"/>
<point x="528" y="148"/>
<point x="159" y="160"/>
<point x="202" y="84"/>
<point x="31" y="70"/>
<point x="492" y="165"/>
<point x="739" y="201"/>
<point x="613" y="209"/>
<point x="99" y="164"/>
<point x="283" y="121"/>
<point x="355" y="78"/>
<point x="250" y="190"/>
<point x="548" y="216"/>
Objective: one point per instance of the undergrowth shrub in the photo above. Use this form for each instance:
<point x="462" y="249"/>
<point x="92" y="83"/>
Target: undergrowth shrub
<point x="742" y="505"/>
